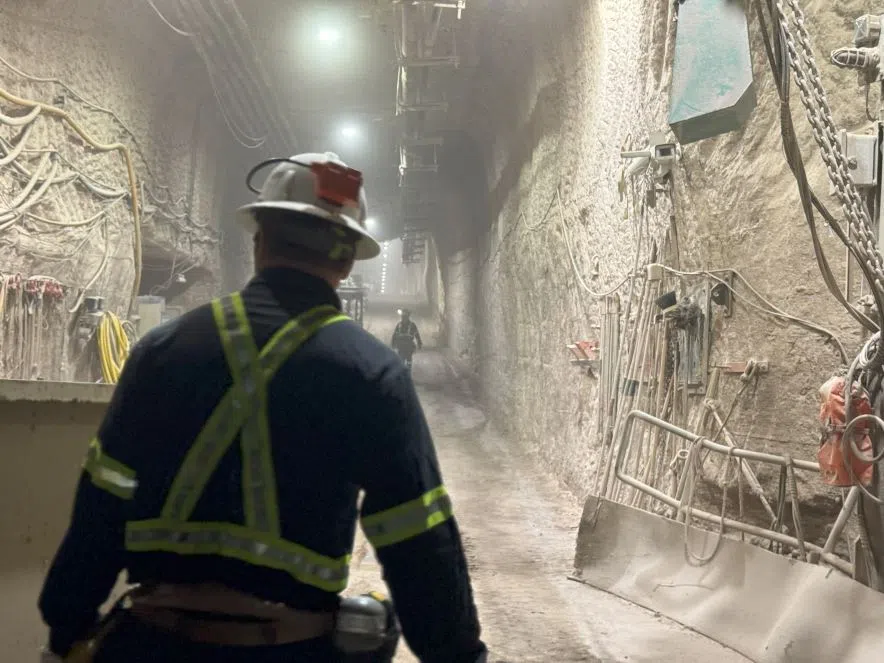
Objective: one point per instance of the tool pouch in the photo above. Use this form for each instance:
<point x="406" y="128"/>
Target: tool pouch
<point x="366" y="629"/>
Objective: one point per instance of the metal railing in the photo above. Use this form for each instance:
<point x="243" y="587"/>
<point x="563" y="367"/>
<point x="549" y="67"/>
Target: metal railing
<point x="686" y="510"/>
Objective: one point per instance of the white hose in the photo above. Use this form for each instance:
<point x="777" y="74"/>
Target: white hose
<point x="167" y="22"/>
<point x="11" y="121"/>
<point x="772" y="309"/>
<point x="98" y="272"/>
<point x="15" y="152"/>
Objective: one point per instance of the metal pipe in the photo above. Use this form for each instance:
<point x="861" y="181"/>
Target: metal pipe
<point x="421" y="108"/>
<point x="754" y="484"/>
<point x="436" y="61"/>
<point x="430" y="41"/>
<point x="825" y="555"/>
<point x="829" y="558"/>
<point x="841" y="521"/>
<point x="721" y="448"/>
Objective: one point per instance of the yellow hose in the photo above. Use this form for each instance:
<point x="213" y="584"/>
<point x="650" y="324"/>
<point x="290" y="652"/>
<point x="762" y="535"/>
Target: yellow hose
<point x="113" y="347"/>
<point x="112" y="147"/>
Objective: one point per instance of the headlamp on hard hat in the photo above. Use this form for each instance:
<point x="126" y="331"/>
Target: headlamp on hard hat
<point x="317" y="185"/>
<point x="335" y="183"/>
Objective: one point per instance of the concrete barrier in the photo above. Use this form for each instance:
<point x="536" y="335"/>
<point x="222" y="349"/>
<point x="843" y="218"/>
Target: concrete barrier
<point x="770" y="608"/>
<point x="45" y="428"/>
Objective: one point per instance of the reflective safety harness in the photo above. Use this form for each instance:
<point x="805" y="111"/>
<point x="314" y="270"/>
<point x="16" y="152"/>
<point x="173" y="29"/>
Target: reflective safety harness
<point x="408" y="520"/>
<point x="109" y="474"/>
<point x="242" y="410"/>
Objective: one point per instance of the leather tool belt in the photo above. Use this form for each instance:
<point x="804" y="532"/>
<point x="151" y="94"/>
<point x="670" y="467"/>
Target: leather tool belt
<point x="217" y="615"/>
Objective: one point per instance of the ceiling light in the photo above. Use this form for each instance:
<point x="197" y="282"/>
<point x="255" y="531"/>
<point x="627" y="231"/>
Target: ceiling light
<point x="350" y="131"/>
<point x="329" y="35"/>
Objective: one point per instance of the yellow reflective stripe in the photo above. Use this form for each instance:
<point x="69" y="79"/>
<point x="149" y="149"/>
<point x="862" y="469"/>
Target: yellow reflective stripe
<point x="223" y="425"/>
<point x="228" y="417"/>
<point x="288" y="338"/>
<point x="258" y="476"/>
<point x="408" y="520"/>
<point x="236" y="339"/>
<point x="109" y="474"/>
<point x="203" y="457"/>
<point x="241" y="543"/>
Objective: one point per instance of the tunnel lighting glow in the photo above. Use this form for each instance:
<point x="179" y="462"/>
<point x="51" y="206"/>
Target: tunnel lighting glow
<point x="384" y="246"/>
<point x="350" y="132"/>
<point x="371" y="225"/>
<point x="329" y="35"/>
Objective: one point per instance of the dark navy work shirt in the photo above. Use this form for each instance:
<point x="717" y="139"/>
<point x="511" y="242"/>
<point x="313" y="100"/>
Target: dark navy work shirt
<point x="344" y="416"/>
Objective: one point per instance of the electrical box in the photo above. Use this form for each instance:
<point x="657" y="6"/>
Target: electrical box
<point x="690" y="317"/>
<point x="712" y="87"/>
<point x="861" y="151"/>
<point x="150" y="312"/>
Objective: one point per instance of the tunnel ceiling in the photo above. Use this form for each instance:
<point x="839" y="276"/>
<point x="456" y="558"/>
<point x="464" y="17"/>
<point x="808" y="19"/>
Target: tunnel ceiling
<point x="318" y="88"/>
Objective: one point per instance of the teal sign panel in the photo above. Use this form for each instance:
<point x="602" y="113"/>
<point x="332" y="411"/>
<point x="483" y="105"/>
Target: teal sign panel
<point x="712" y="87"/>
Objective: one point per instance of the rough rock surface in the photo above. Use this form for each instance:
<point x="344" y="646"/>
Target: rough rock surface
<point x="121" y="78"/>
<point x="518" y="525"/>
<point x="573" y="84"/>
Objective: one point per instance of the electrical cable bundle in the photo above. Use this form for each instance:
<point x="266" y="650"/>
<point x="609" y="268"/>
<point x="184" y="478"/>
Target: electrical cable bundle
<point x="220" y="36"/>
<point x="113" y="347"/>
<point x="778" y="46"/>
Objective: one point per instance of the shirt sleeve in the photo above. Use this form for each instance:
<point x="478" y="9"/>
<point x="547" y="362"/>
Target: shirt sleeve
<point x="408" y="518"/>
<point x="90" y="557"/>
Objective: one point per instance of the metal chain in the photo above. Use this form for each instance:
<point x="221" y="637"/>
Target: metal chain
<point x="819" y="114"/>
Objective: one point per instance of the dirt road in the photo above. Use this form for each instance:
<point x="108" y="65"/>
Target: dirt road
<point x="519" y="529"/>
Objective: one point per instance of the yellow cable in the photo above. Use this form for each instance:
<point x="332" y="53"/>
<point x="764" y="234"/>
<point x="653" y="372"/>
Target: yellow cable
<point x="113" y="347"/>
<point x="111" y="147"/>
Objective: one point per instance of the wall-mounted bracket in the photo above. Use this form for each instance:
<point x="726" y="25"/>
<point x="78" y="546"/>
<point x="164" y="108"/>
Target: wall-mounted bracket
<point x="659" y="156"/>
<point x="742" y="367"/>
<point x="586" y="355"/>
<point x="722" y="293"/>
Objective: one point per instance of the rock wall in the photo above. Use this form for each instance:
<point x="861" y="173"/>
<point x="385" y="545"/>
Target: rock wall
<point x="124" y="79"/>
<point x="559" y="89"/>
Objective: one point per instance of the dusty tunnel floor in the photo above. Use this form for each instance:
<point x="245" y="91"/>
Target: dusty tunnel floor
<point x="519" y="528"/>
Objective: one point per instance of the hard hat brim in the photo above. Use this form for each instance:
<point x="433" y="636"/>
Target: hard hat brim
<point x="367" y="247"/>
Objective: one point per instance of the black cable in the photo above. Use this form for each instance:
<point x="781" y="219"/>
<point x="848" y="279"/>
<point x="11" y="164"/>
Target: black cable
<point x="778" y="61"/>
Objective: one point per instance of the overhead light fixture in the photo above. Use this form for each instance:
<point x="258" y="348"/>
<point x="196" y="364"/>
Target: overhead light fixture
<point x="329" y="35"/>
<point x="350" y="131"/>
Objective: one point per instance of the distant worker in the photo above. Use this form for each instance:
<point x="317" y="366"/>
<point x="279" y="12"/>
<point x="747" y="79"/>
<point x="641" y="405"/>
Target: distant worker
<point x="406" y="337"/>
<point x="225" y="476"/>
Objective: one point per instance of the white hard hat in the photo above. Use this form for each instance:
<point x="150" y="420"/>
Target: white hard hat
<point x="319" y="185"/>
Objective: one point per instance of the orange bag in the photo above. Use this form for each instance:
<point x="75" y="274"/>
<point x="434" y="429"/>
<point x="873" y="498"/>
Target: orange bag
<point x="833" y="469"/>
